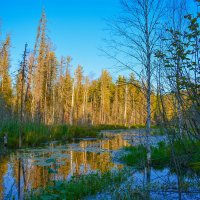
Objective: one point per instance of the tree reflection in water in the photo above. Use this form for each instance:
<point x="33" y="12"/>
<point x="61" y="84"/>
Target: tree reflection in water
<point x="29" y="168"/>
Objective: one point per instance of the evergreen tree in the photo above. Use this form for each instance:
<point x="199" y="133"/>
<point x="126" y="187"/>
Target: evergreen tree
<point x="78" y="101"/>
<point x="105" y="82"/>
<point x="5" y="79"/>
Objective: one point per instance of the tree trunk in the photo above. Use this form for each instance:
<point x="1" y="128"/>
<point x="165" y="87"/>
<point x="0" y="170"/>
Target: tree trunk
<point x="148" y="68"/>
<point x="72" y="105"/>
<point x="125" y="106"/>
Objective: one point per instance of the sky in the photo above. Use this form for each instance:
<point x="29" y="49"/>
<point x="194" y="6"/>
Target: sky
<point x="76" y="28"/>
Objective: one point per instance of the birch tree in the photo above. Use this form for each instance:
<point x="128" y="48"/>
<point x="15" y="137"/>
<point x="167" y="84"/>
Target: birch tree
<point x="135" y="37"/>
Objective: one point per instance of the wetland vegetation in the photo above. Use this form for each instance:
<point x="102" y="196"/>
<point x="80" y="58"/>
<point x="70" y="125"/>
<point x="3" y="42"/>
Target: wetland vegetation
<point x="129" y="134"/>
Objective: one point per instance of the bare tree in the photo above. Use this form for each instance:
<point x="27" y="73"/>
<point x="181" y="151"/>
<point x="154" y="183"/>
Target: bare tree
<point x="23" y="71"/>
<point x="133" y="42"/>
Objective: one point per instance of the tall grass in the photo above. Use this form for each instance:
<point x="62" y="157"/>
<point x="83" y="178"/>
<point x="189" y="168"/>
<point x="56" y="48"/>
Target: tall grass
<point x="35" y="134"/>
<point x="186" y="153"/>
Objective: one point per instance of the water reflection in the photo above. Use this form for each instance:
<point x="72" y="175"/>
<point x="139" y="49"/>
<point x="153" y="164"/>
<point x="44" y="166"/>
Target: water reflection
<point x="29" y="168"/>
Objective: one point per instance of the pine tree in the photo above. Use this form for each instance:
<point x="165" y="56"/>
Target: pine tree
<point x="78" y="101"/>
<point x="45" y="75"/>
<point x="39" y="71"/>
<point x="67" y="92"/>
<point x="5" y="79"/>
<point x="105" y="95"/>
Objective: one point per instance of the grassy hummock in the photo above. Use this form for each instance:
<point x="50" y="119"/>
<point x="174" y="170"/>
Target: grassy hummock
<point x="186" y="153"/>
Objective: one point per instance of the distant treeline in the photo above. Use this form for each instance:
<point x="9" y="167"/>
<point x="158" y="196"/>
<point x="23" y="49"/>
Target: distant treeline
<point x="46" y="90"/>
<point x="52" y="94"/>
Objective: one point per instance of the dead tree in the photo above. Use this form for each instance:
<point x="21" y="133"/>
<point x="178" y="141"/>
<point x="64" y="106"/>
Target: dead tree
<point x="23" y="73"/>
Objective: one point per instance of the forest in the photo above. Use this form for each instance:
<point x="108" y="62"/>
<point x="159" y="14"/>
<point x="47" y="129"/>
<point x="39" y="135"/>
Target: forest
<point x="67" y="135"/>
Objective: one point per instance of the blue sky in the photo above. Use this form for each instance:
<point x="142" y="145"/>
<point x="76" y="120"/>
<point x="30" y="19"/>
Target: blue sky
<point x="76" y="28"/>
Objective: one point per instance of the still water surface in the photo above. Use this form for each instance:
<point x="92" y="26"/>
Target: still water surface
<point x="37" y="166"/>
<point x="83" y="157"/>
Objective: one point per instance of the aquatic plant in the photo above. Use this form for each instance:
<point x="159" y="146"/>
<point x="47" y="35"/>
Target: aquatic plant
<point x="79" y="186"/>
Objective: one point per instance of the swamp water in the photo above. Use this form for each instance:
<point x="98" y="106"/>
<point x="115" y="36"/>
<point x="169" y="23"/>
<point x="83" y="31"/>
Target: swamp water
<point x="37" y="166"/>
